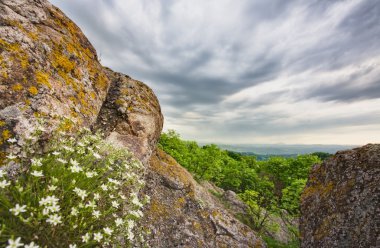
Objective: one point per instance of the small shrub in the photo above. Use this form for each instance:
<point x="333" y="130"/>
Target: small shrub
<point x="82" y="192"/>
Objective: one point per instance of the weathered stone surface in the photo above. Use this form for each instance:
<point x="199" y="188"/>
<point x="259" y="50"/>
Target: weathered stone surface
<point x="49" y="71"/>
<point x="183" y="214"/>
<point x="131" y="115"/>
<point x="341" y="202"/>
<point x="231" y="202"/>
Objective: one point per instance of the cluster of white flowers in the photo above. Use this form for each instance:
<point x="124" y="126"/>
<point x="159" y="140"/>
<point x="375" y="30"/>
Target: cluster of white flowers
<point x="50" y="207"/>
<point x="3" y="182"/>
<point x="81" y="193"/>
<point x="80" y="184"/>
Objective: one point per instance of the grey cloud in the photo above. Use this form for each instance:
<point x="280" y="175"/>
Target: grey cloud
<point x="269" y="125"/>
<point x="184" y="75"/>
<point x="346" y="92"/>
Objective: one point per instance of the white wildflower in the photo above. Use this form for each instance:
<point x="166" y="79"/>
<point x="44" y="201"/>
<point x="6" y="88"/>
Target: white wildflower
<point x="11" y="156"/>
<point x="119" y="221"/>
<point x="104" y="187"/>
<point x="96" y="196"/>
<point x="114" y="181"/>
<point x="61" y="160"/>
<point x="115" y="204"/>
<point x="4" y="184"/>
<point x="91" y="174"/>
<point x="122" y="196"/>
<point x="131" y="224"/>
<point x="96" y="214"/>
<point x="45" y="211"/>
<point x="137" y="214"/>
<point x="14" y="243"/>
<point x="54" y="208"/>
<point x="75" y="169"/>
<point x="69" y="149"/>
<point x="37" y="173"/>
<point x="127" y="175"/>
<point x="12" y="140"/>
<point x="98" y="236"/>
<point x="52" y="187"/>
<point x="80" y="192"/>
<point x="86" y="238"/>
<point x="108" y="231"/>
<point x="36" y="162"/>
<point x="136" y="202"/>
<point x="54" y="219"/>
<point x="31" y="245"/>
<point x="72" y="246"/>
<point x="74" y="162"/>
<point x="97" y="155"/>
<point x="18" y="209"/>
<point x="130" y="235"/>
<point x="112" y="196"/>
<point x="81" y="144"/>
<point x="2" y="173"/>
<point x="91" y="204"/>
<point x="49" y="200"/>
<point x="74" y="211"/>
<point x="55" y="153"/>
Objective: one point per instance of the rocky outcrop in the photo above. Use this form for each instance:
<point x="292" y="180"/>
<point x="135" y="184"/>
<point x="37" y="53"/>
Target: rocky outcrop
<point x="131" y="115"/>
<point x="49" y="72"/>
<point x="341" y="202"/>
<point x="50" y="79"/>
<point x="182" y="213"/>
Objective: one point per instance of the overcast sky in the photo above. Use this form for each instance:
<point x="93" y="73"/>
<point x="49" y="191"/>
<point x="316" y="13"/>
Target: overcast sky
<point x="248" y="71"/>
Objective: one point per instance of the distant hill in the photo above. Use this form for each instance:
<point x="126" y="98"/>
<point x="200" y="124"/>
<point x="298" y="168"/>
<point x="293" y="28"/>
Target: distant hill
<point x="284" y="150"/>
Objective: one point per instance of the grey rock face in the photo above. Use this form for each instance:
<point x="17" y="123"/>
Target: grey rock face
<point x="131" y="115"/>
<point x="182" y="213"/>
<point x="341" y="202"/>
<point x="49" y="71"/>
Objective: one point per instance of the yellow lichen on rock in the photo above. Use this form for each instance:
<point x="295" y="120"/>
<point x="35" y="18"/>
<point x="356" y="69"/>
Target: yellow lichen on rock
<point x="61" y="61"/>
<point x="322" y="190"/>
<point x="33" y="90"/>
<point x="17" y="87"/>
<point x="43" y="78"/>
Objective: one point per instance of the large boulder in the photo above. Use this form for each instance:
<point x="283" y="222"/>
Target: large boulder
<point x="341" y="202"/>
<point x="182" y="213"/>
<point x="49" y="72"/>
<point x="131" y="115"/>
